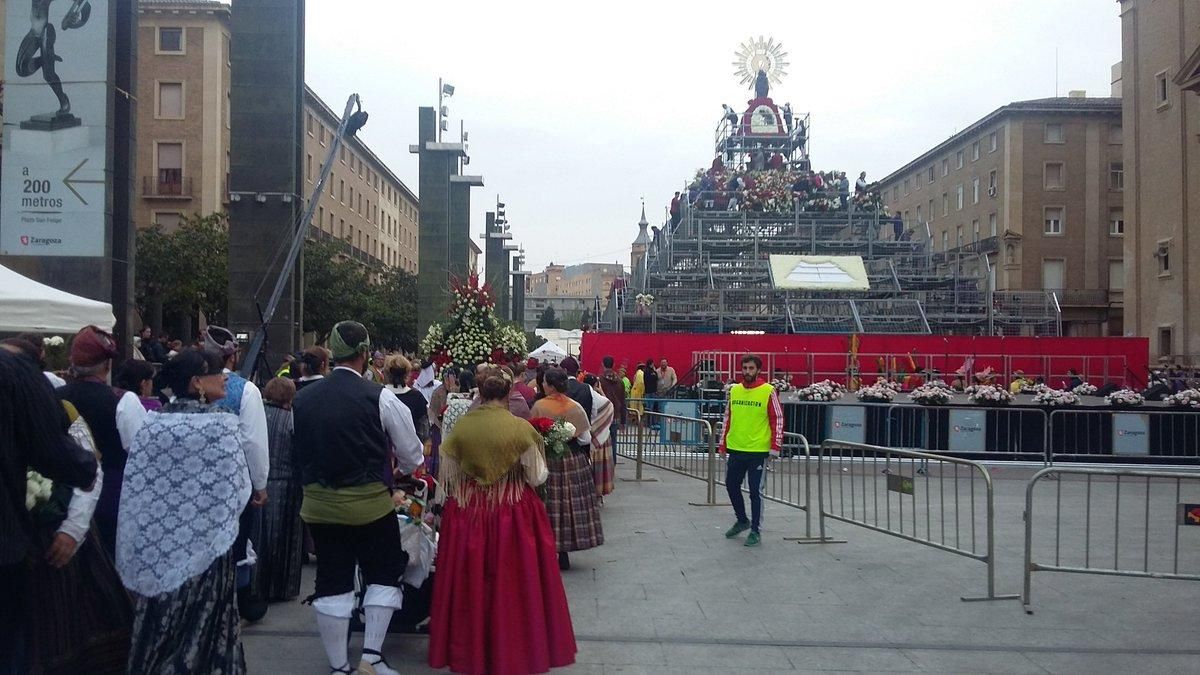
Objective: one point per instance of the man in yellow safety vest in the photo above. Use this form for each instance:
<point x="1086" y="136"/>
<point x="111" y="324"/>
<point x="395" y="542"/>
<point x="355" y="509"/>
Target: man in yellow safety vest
<point x="753" y="430"/>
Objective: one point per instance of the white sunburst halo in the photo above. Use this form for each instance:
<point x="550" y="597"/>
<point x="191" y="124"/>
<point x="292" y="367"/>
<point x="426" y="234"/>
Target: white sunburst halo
<point x="763" y="54"/>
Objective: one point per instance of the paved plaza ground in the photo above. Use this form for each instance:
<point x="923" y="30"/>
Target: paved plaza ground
<point x="667" y="593"/>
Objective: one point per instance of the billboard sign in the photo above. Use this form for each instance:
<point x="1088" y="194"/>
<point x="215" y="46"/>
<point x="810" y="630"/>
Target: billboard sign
<point x="55" y="174"/>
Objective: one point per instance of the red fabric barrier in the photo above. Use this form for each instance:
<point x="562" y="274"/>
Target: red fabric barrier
<point x="1116" y="359"/>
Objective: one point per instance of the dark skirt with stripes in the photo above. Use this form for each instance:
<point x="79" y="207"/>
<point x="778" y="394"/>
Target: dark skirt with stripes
<point x="193" y="629"/>
<point x="572" y="503"/>
<point x="81" y="615"/>
<point x="280" y="545"/>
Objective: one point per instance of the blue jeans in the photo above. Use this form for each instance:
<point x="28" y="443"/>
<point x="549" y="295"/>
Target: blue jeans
<point x="738" y="467"/>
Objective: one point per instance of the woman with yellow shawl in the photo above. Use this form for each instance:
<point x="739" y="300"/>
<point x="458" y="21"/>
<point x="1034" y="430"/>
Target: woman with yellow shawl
<point x="498" y="601"/>
<point x="637" y="394"/>
<point x="571" y="499"/>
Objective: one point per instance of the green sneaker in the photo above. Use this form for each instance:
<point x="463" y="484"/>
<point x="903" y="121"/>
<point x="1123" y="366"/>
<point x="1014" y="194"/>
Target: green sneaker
<point x="738" y="528"/>
<point x="752" y="539"/>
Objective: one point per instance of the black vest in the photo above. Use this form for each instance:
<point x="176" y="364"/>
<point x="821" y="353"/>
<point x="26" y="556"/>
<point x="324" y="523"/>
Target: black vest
<point x="581" y="394"/>
<point x="97" y="404"/>
<point x="339" y="438"/>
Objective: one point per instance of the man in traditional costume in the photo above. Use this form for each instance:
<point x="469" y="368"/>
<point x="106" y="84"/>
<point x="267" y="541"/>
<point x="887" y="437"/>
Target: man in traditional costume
<point x="113" y="415"/>
<point x="344" y="428"/>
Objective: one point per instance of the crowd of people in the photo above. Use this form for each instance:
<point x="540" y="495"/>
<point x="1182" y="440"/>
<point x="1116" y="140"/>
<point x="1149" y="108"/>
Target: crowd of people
<point x="766" y="183"/>
<point x="185" y="499"/>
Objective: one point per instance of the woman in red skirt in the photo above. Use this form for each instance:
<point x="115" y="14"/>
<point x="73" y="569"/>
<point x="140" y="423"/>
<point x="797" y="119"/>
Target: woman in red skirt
<point x="498" y="601"/>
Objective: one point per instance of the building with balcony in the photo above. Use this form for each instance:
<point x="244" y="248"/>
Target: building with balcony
<point x="1160" y="80"/>
<point x="183" y="131"/>
<point x="1032" y="198"/>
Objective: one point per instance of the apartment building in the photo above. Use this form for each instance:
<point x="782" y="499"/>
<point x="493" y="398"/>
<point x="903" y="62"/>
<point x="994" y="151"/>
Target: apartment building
<point x="183" y="131"/>
<point x="1160" y="80"/>
<point x="571" y="290"/>
<point x="1033" y="194"/>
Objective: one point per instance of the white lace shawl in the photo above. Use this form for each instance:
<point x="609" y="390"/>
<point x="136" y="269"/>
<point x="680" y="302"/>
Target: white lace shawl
<point x="186" y="483"/>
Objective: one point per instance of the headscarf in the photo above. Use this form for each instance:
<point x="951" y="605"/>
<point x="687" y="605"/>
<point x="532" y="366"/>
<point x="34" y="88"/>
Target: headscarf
<point x="338" y="345"/>
<point x="92" y="346"/>
<point x="220" y="340"/>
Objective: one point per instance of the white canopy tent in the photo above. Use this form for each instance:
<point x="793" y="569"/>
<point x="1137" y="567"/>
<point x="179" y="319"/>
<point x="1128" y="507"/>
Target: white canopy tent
<point x="29" y="306"/>
<point x="548" y="353"/>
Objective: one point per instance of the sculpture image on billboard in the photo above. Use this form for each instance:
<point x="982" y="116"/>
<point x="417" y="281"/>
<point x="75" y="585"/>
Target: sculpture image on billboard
<point x="54" y="188"/>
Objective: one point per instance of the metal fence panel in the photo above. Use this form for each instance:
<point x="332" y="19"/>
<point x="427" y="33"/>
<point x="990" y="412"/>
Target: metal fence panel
<point x="1127" y="435"/>
<point x="1117" y="522"/>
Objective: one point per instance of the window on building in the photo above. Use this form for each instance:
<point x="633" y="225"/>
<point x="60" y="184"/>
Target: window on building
<point x="975" y="190"/>
<point x="945" y="166"/>
<point x="929" y="178"/>
<point x="992" y="183"/>
<point x="321" y="217"/>
<point x="170" y="40"/>
<point x="916" y="182"/>
<point x="1053" y="220"/>
<point x="895" y="192"/>
<point x="308" y="123"/>
<point x="945" y="241"/>
<point x="1116" y="176"/>
<point x="975" y="230"/>
<point x="918" y="213"/>
<point x="1053" y="270"/>
<point x="1162" y="90"/>
<point x="992" y="142"/>
<point x="168" y="220"/>
<point x="958" y="159"/>
<point x="1116" y="222"/>
<point x="1116" y="274"/>
<point x="308" y="167"/>
<point x="945" y="204"/>
<point x="342" y="191"/>
<point x="975" y="151"/>
<point x="1116" y="135"/>
<point x="993" y="224"/>
<point x="1165" y="343"/>
<point x="958" y="236"/>
<point x="170" y="100"/>
<point x="170" y="168"/>
<point x="1163" y="253"/>
<point x="906" y="187"/>
<point x="1054" y="133"/>
<point x="343" y="154"/>
<point x="1053" y="176"/>
<point x="930" y="211"/>
<point x="958" y="197"/>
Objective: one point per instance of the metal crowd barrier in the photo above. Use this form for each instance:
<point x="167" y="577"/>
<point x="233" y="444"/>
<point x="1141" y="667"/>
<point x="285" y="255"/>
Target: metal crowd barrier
<point x="1014" y="432"/>
<point x="855" y="484"/>
<point x="1162" y="504"/>
<point x="1157" y="435"/>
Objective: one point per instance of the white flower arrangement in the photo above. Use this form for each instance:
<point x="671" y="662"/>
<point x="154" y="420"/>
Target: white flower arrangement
<point x="880" y="392"/>
<point x="1124" y="398"/>
<point x="644" y="299"/>
<point x="1055" y="398"/>
<point x="988" y="394"/>
<point x="781" y="385"/>
<point x="929" y="395"/>
<point x="825" y="390"/>
<point x="1085" y="389"/>
<point x="54" y="341"/>
<point x="1188" y="398"/>
<point x="37" y="489"/>
<point x="883" y="382"/>
<point x="1035" y="389"/>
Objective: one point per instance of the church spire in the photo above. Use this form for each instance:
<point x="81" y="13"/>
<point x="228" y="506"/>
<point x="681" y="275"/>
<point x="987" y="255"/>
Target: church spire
<point x="643" y="238"/>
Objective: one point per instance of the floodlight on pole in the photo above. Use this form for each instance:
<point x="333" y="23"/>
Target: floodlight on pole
<point x="447" y="89"/>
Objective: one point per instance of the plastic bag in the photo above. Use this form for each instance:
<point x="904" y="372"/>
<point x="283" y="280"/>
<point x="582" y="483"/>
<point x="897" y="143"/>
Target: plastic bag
<point x="417" y="540"/>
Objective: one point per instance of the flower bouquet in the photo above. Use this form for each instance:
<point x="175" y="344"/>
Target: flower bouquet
<point x="988" y="394"/>
<point x="930" y="395"/>
<point x="37" y="489"/>
<point x="781" y="385"/>
<point x="1055" y="398"/>
<point x="1188" y="398"/>
<point x="880" y="392"/>
<point x="1085" y="389"/>
<point x="1124" y="398"/>
<point x="556" y="433"/>
<point x="825" y="390"/>
<point x="56" y="353"/>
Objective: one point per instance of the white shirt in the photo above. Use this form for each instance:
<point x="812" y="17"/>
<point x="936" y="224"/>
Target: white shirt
<point x="398" y="425"/>
<point x="252" y="427"/>
<point x="83" y="504"/>
<point x="55" y="381"/>
<point x="130" y="415"/>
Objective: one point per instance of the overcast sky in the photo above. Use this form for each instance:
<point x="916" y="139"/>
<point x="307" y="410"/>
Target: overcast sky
<point x="575" y="114"/>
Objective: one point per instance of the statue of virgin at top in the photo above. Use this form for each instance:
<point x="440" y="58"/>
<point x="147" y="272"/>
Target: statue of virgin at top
<point x="762" y="84"/>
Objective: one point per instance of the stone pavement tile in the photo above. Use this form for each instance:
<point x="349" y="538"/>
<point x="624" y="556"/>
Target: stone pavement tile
<point x="1117" y="664"/>
<point x="972" y="661"/>
<point x="853" y="659"/>
<point x="733" y="658"/>
<point x="620" y="653"/>
<point x="718" y="628"/>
